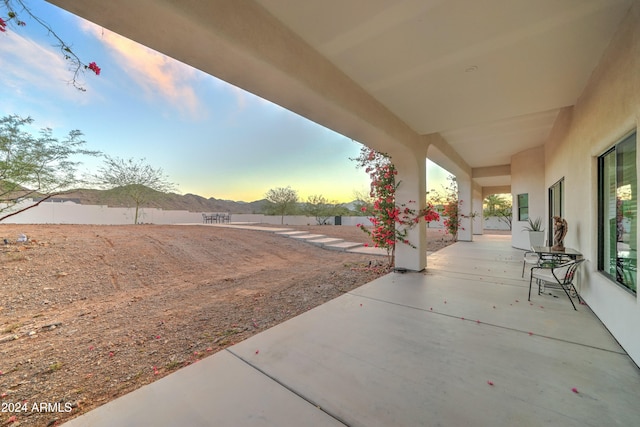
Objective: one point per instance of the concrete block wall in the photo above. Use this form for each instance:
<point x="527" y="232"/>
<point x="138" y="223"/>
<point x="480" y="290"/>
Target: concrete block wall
<point x="73" y="213"/>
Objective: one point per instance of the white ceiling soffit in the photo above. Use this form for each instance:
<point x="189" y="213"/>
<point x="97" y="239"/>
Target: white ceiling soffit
<point x="490" y="76"/>
<point x="502" y="136"/>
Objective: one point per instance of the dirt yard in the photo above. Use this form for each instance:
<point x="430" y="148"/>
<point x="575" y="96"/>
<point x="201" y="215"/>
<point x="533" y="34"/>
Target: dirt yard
<point x="89" y="313"/>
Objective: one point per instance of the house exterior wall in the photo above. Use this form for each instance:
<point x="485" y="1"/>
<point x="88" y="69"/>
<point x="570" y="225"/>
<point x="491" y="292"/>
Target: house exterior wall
<point x="527" y="178"/>
<point x="607" y="110"/>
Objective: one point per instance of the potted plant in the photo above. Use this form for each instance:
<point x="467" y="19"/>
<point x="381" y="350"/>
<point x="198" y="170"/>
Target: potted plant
<point x="536" y="232"/>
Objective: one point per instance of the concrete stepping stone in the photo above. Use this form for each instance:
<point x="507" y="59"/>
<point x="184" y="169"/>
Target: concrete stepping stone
<point x="307" y="236"/>
<point x="325" y="241"/>
<point x="368" y="250"/>
<point x="342" y="246"/>
<point x="251" y="227"/>
<point x="291" y="233"/>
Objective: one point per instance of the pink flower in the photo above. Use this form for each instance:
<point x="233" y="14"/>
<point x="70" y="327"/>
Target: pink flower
<point x="94" y="67"/>
<point x="575" y="390"/>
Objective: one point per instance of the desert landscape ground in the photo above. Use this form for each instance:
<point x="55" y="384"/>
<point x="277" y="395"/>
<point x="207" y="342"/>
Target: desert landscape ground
<point x="89" y="313"/>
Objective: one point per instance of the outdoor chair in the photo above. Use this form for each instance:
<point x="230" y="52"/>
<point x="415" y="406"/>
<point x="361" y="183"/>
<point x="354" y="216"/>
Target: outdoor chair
<point x="530" y="257"/>
<point x="556" y="275"/>
<point x="209" y="219"/>
<point x="537" y="258"/>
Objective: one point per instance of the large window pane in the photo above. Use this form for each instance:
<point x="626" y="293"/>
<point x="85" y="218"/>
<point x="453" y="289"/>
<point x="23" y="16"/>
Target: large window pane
<point x="617" y="248"/>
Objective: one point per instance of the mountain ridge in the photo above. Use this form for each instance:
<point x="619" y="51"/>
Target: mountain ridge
<point x="166" y="201"/>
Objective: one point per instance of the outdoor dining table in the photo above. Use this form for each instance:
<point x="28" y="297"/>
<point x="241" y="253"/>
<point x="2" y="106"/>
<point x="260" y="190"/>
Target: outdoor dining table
<point x="547" y="252"/>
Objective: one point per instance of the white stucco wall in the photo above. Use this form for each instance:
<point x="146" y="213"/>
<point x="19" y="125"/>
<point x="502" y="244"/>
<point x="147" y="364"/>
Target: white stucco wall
<point x="73" y="213"/>
<point x="607" y="110"/>
<point x="528" y="175"/>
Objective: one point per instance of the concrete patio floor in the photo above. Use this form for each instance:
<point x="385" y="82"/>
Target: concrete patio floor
<point x="457" y="345"/>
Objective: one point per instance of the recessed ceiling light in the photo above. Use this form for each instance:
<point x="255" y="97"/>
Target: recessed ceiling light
<point x="471" y="69"/>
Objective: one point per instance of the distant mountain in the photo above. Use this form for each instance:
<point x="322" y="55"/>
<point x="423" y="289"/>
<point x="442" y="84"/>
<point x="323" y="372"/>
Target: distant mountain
<point x="166" y="201"/>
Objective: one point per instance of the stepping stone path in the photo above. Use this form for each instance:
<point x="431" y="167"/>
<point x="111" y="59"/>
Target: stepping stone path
<point x="330" y="243"/>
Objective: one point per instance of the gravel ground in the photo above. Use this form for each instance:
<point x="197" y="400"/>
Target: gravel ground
<point x="89" y="313"/>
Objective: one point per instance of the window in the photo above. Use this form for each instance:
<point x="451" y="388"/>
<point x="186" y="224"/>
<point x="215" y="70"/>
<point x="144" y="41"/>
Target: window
<point x="523" y="207"/>
<point x="617" y="213"/>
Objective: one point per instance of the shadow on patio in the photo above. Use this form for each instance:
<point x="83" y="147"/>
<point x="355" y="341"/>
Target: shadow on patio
<point x="456" y="345"/>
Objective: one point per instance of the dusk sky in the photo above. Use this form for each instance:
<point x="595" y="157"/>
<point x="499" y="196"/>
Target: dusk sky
<point x="209" y="137"/>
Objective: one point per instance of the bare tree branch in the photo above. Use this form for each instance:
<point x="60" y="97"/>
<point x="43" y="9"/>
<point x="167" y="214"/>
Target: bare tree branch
<point x="47" y="197"/>
<point x="77" y="66"/>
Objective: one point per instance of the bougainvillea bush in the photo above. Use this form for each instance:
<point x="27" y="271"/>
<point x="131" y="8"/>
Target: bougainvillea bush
<point x="390" y="222"/>
<point x="450" y="207"/>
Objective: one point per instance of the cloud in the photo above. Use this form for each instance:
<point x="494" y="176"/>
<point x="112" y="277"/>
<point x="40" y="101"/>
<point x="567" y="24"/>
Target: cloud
<point x="244" y="100"/>
<point x="30" y="68"/>
<point x="155" y="73"/>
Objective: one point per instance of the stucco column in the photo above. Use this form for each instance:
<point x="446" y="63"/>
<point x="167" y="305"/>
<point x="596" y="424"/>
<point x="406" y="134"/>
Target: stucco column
<point x="412" y="176"/>
<point x="465" y="195"/>
<point x="478" y="220"/>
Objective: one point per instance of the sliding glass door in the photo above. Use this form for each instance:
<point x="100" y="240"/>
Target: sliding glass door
<point x="556" y="206"/>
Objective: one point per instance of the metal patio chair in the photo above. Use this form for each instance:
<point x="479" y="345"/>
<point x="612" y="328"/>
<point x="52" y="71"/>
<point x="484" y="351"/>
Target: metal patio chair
<point x="556" y="276"/>
<point x="530" y="257"/>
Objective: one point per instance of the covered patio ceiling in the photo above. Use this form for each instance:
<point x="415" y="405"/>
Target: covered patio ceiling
<point x="489" y="77"/>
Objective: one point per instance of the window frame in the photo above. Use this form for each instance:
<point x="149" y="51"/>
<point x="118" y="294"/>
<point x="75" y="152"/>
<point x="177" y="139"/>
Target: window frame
<point x="602" y="204"/>
<point x="523" y="211"/>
